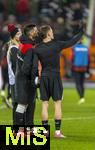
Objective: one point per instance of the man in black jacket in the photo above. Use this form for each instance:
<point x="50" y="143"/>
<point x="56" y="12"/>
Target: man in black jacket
<point x="25" y="92"/>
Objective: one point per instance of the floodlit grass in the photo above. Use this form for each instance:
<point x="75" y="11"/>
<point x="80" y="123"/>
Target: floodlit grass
<point x="78" y="121"/>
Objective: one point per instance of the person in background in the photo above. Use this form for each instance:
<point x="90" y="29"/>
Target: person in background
<point x="80" y="65"/>
<point x="6" y="96"/>
<point x="13" y="47"/>
<point x="4" y="72"/>
<point x="23" y="10"/>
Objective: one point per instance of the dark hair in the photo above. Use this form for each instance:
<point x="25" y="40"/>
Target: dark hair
<point x="43" y="31"/>
<point x="28" y="28"/>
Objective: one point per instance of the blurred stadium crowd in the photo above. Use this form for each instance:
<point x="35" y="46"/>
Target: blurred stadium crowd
<point x="63" y="15"/>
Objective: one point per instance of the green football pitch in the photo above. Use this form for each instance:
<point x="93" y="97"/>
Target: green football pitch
<point x="78" y="121"/>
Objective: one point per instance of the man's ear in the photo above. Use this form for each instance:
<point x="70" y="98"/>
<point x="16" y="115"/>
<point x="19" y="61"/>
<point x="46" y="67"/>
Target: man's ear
<point x="48" y="34"/>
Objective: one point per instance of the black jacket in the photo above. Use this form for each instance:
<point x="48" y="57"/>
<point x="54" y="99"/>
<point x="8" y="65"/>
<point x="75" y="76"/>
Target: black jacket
<point x="49" y="54"/>
<point x="11" y="60"/>
<point x="25" y="92"/>
<point x="23" y="69"/>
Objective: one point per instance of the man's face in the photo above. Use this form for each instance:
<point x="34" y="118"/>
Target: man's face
<point x="33" y="33"/>
<point x="18" y="35"/>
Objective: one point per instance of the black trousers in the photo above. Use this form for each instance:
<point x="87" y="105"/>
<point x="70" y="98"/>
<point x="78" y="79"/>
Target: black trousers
<point x="28" y="116"/>
<point x="79" y="78"/>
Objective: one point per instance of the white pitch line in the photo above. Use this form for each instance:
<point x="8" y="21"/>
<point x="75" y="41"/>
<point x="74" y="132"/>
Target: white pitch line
<point x="73" y="118"/>
<point x="79" y="118"/>
<point x="65" y="119"/>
